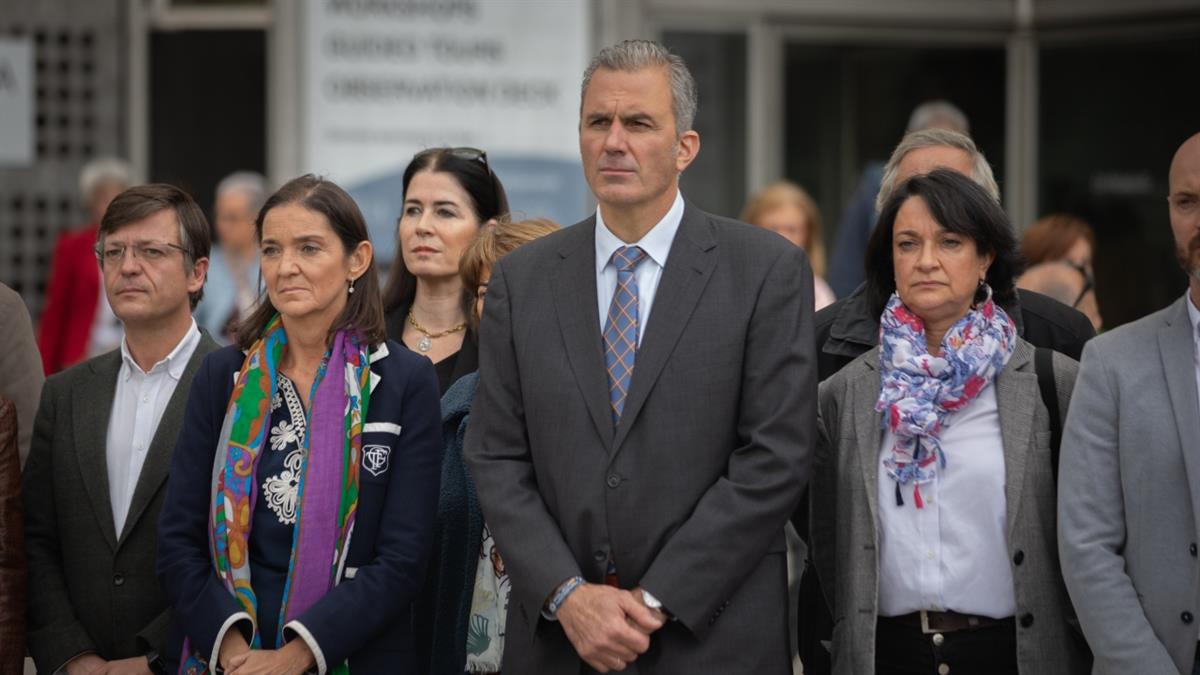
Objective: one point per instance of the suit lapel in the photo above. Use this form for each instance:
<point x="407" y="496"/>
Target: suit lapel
<point x="689" y="265"/>
<point x="158" y="458"/>
<point x="578" y="320"/>
<point x="868" y="428"/>
<point x="92" y="405"/>
<point x="1016" y="396"/>
<point x="1175" y="346"/>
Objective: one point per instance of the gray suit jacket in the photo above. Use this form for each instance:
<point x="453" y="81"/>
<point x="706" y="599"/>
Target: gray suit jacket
<point x="1129" y="495"/>
<point x="844" y="516"/>
<point x="90" y="587"/>
<point x="691" y="491"/>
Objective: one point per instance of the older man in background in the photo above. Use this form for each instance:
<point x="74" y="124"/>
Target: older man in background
<point x="233" y="283"/>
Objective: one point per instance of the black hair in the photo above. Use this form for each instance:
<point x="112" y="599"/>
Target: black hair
<point x="961" y="206"/>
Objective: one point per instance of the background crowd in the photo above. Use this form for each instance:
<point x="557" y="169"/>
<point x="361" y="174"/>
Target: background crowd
<point x="513" y="468"/>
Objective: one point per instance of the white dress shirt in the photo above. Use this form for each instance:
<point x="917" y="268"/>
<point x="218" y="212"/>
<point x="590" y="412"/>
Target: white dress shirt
<point x="138" y="406"/>
<point x="953" y="553"/>
<point x="656" y="243"/>
<point x="1194" y="316"/>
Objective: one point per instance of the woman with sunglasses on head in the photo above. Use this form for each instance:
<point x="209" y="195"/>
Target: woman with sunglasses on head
<point x="449" y="194"/>
<point x="299" y="516"/>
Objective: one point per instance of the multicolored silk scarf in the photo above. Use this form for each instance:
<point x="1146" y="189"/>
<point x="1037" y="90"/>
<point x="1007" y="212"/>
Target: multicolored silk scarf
<point x="918" y="391"/>
<point x="328" y="492"/>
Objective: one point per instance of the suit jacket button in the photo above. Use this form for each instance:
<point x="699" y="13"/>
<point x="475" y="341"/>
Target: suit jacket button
<point x="600" y="556"/>
<point x="1018" y="557"/>
<point x="614" y="480"/>
<point x="1186" y="617"/>
<point x="118" y="579"/>
<point x="1192" y="549"/>
<point x="1026" y="620"/>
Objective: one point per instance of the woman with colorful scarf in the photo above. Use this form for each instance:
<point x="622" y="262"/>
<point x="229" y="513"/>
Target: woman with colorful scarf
<point x="933" y="494"/>
<point x="299" y="514"/>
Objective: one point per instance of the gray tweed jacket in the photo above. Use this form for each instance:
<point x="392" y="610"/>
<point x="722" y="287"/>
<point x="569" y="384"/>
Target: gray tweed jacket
<point x="844" y="513"/>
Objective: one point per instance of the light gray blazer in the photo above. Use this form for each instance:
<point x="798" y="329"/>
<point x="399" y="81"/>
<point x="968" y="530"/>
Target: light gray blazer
<point x="1129" y="493"/>
<point x="844" y="514"/>
<point x="691" y="491"/>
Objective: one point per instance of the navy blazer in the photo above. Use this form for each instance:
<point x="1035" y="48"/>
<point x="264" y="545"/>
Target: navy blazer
<point x="367" y="616"/>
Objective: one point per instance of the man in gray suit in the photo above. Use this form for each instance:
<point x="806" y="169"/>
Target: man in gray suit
<point x="102" y="445"/>
<point x="1129" y="486"/>
<point x="646" y="410"/>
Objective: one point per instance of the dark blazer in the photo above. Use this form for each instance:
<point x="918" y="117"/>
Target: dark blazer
<point x="94" y="589"/>
<point x="845" y="514"/>
<point x="366" y="617"/>
<point x="444" y="606"/>
<point x="691" y="491"/>
<point x="850" y="327"/>
<point x="12" y="546"/>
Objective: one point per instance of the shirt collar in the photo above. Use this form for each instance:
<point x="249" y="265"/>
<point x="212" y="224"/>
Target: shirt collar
<point x="175" y="362"/>
<point x="656" y="243"/>
<point x="1193" y="314"/>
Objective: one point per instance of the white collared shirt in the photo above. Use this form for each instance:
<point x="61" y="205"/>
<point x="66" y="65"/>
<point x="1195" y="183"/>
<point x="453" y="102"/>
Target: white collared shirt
<point x="138" y="405"/>
<point x="1194" y="315"/>
<point x="953" y="553"/>
<point x="656" y="243"/>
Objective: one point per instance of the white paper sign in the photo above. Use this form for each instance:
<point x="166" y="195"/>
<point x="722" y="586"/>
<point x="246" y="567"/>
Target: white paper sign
<point x="385" y="79"/>
<point x="16" y="101"/>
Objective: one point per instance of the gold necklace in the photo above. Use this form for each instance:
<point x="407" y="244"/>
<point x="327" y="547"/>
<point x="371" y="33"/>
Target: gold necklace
<point x="426" y="342"/>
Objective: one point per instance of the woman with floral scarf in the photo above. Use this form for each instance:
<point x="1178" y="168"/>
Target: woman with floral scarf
<point x="933" y="513"/>
<point x="299" y="513"/>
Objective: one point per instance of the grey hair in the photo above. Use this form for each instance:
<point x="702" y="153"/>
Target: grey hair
<point x="632" y="55"/>
<point x="938" y="114"/>
<point x="250" y="183"/>
<point x="981" y="171"/>
<point x="103" y="170"/>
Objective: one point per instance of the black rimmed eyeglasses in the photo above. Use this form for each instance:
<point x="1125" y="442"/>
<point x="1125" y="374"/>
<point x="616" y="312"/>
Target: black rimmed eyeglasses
<point x="1088" y="282"/>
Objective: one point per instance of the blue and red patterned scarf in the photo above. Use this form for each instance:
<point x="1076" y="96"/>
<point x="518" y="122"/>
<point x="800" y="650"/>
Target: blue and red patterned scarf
<point x="918" y="392"/>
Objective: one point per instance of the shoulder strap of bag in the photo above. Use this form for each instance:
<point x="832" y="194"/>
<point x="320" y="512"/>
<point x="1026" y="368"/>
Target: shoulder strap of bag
<point x="1043" y="365"/>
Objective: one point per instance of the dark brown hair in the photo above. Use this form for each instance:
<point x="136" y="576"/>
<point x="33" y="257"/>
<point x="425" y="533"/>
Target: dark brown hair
<point x="142" y="201"/>
<point x="363" y="310"/>
<point x="488" y="200"/>
<point x="960" y="205"/>
<point x="1052" y="236"/>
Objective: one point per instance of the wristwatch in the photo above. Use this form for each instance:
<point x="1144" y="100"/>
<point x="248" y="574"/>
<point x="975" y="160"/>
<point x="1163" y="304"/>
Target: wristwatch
<point x="156" y="663"/>
<point x="650" y="601"/>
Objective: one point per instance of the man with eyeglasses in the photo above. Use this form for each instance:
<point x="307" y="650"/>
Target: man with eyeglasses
<point x="102" y="444"/>
<point x="1129" y="478"/>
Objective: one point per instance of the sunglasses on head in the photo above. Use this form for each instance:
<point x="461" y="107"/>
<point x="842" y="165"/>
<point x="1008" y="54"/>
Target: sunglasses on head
<point x="473" y="155"/>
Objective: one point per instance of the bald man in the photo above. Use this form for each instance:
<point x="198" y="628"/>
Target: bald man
<point x="1129" y="473"/>
<point x="1065" y="283"/>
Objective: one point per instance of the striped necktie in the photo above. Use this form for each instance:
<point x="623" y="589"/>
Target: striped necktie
<point x="621" y="330"/>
